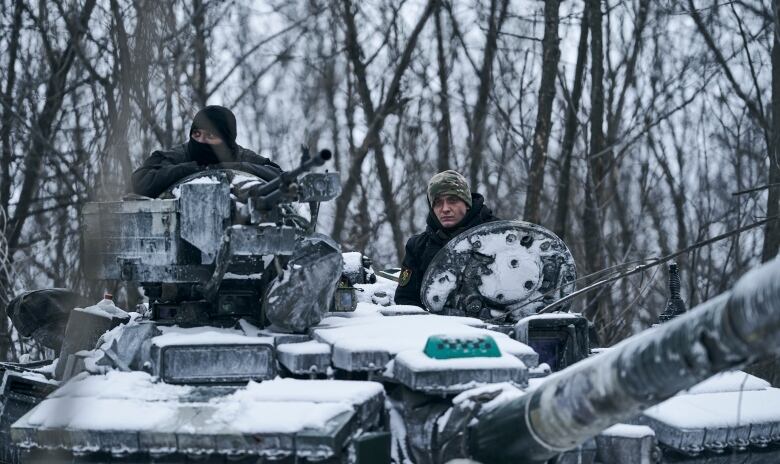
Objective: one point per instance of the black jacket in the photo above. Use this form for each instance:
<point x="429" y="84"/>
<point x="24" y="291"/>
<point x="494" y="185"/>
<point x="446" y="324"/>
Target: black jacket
<point x="421" y="248"/>
<point x="164" y="167"/>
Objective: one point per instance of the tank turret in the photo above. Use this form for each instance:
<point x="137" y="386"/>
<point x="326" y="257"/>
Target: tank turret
<point x="217" y="243"/>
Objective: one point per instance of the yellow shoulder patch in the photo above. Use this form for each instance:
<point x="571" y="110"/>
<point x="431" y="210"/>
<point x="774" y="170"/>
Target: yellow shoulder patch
<point x="406" y="275"/>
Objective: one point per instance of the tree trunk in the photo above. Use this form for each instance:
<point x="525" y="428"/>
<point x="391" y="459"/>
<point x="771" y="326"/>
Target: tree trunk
<point x="479" y="115"/>
<point x="772" y="230"/>
<point x="550" y="55"/>
<point x="444" y="127"/>
<point x="375" y="119"/>
<point x="570" y="132"/>
<point x="201" y="51"/>
<point x="6" y="124"/>
<point x="594" y="184"/>
<point x="59" y="66"/>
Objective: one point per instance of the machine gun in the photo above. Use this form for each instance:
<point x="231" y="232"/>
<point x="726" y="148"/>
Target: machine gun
<point x="287" y="187"/>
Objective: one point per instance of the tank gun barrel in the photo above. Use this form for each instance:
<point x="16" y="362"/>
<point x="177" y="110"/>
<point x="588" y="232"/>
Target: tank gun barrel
<point x="730" y="331"/>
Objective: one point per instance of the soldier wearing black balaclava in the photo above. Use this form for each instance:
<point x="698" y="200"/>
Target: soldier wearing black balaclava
<point x="212" y="145"/>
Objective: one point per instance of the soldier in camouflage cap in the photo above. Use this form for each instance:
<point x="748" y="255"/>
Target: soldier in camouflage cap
<point x="449" y="183"/>
<point x="453" y="209"/>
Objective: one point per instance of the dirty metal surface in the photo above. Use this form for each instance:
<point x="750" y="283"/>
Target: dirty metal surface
<point x="502" y="268"/>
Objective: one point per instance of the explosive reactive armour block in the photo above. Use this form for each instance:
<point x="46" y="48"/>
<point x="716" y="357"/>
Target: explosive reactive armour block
<point x="304" y="419"/>
<point x="309" y="357"/>
<point x="211" y="357"/>
<point x="624" y="443"/>
<point x="731" y="411"/>
<point x="454" y="375"/>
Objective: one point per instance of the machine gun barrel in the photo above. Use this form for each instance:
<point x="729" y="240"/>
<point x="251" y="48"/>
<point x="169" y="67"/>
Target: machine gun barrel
<point x="730" y="331"/>
<point x="287" y="178"/>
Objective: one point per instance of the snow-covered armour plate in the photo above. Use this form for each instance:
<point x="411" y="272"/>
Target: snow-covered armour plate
<point x="501" y="270"/>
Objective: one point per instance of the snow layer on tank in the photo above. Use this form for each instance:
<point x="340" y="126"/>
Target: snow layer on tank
<point x="416" y="360"/>
<point x="365" y="309"/>
<point x="131" y="401"/>
<point x="511" y="269"/>
<point x="36" y="376"/>
<point x="382" y="292"/>
<point x="501" y="392"/>
<point x="115" y="401"/>
<point x="315" y="391"/>
<point x="206" y="336"/>
<point x="105" y="308"/>
<point x="274" y="417"/>
<point x="121" y="385"/>
<point x="498" y="394"/>
<point x="728" y="399"/>
<point x="239" y="178"/>
<point x="725" y="409"/>
<point x="353" y="261"/>
<point x="203" y="180"/>
<point x="630" y="431"/>
<point x="556" y="315"/>
<point x="440" y="288"/>
<point x="86" y="413"/>
<point x="310" y="347"/>
<point x="399" y="333"/>
<point x="200" y="180"/>
<point x="730" y="381"/>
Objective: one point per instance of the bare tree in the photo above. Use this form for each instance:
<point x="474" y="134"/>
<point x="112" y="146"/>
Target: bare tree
<point x="551" y="53"/>
<point x="375" y="117"/>
<point x="570" y="130"/>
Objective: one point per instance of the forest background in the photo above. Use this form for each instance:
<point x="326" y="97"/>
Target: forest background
<point x="631" y="128"/>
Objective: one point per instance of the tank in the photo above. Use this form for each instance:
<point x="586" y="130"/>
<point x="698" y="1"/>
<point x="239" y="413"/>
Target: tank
<point x="263" y="342"/>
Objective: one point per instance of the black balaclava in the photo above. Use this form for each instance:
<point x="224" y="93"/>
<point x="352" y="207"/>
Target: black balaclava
<point x="221" y="121"/>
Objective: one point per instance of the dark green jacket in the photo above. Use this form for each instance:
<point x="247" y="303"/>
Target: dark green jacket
<point x="421" y="248"/>
<point x="164" y="167"/>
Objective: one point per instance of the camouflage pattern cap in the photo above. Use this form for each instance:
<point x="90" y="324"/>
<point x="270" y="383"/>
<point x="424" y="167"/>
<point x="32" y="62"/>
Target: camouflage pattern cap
<point x="449" y="183"/>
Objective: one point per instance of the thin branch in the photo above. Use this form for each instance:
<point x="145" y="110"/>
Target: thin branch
<point x="655" y="262"/>
<point x="755" y="189"/>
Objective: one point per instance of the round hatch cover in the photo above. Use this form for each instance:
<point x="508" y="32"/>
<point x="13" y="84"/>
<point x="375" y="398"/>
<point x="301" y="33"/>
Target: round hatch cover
<point x="502" y="270"/>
